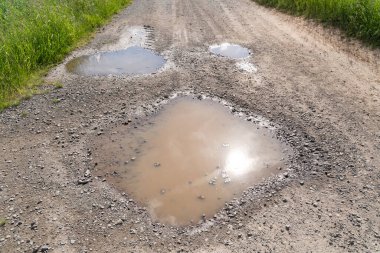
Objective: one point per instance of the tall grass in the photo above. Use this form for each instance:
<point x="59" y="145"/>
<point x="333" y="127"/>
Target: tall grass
<point x="35" y="34"/>
<point x="358" y="18"/>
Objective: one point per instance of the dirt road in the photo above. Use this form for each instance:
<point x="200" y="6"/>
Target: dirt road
<point x="323" y="95"/>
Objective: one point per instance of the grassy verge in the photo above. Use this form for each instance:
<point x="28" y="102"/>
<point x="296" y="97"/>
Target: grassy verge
<point x="36" y="34"/>
<point x="358" y="18"/>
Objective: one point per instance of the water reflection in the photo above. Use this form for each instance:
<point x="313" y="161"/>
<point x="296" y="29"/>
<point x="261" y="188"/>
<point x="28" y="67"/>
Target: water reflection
<point x="206" y="157"/>
<point x="232" y="51"/>
<point x="238" y="162"/>
<point x="131" y="61"/>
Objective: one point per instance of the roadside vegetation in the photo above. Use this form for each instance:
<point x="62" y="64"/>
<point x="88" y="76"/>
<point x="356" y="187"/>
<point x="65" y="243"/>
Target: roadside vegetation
<point x="358" y="18"/>
<point x="2" y="222"/>
<point x="36" y="34"/>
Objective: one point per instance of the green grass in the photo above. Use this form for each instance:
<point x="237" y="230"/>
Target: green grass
<point x="2" y="222"/>
<point x="57" y="85"/>
<point x="24" y="114"/>
<point x="55" y="101"/>
<point x="358" y="18"/>
<point x="36" y="34"/>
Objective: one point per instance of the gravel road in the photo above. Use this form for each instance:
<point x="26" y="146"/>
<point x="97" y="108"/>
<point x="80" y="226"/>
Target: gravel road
<point x="322" y="95"/>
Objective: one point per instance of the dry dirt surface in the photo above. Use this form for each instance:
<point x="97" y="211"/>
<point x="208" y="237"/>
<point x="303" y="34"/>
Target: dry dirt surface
<point x="322" y="95"/>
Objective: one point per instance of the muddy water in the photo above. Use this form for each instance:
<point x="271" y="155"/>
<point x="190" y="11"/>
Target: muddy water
<point x="188" y="160"/>
<point x="131" y="61"/>
<point x="232" y="51"/>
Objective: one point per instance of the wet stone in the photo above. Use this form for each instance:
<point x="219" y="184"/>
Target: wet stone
<point x="131" y="61"/>
<point x="207" y="156"/>
<point x="232" y="51"/>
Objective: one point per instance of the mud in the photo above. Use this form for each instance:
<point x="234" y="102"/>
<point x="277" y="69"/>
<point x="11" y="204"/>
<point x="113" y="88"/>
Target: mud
<point x="314" y="91"/>
<point x="189" y="160"/>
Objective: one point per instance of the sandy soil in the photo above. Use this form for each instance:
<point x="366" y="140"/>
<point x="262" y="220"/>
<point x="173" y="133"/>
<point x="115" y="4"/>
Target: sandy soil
<point x="322" y="94"/>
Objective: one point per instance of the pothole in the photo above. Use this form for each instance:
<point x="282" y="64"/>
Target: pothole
<point x="232" y="51"/>
<point x="190" y="159"/>
<point x="134" y="60"/>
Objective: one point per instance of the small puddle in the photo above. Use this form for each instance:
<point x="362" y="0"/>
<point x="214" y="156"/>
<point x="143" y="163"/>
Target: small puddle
<point x="185" y="163"/>
<point x="232" y="51"/>
<point x="131" y="61"/>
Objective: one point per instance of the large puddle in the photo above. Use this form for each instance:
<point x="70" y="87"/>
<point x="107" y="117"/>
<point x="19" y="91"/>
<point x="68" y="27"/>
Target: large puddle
<point x="185" y="163"/>
<point x="232" y="51"/>
<point x="131" y="61"/>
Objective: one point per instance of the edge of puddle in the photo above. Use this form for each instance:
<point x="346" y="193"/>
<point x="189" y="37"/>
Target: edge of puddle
<point x="243" y="64"/>
<point x="256" y="192"/>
